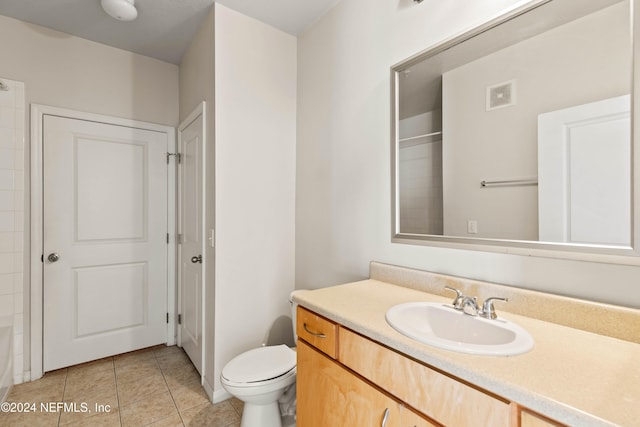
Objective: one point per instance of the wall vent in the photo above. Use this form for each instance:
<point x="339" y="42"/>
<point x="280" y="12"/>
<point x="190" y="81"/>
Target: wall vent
<point x="501" y="95"/>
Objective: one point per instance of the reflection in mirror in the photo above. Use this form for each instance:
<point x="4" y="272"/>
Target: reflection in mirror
<point x="520" y="131"/>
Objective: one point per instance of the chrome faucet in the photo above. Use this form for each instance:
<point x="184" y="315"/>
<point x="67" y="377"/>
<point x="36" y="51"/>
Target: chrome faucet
<point x="469" y="305"/>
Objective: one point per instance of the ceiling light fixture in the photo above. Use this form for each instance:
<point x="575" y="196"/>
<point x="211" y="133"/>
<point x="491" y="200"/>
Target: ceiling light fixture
<point x="122" y="10"/>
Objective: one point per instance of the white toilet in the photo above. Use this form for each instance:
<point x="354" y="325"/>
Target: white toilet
<point x="259" y="377"/>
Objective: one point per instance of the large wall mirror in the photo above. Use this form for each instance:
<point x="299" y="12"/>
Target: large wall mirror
<point x="519" y="135"/>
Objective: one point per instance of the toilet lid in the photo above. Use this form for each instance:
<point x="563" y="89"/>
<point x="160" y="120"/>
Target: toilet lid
<point x="260" y="364"/>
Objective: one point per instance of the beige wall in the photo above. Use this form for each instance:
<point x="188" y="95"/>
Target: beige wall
<point x="66" y="71"/>
<point x="197" y="85"/>
<point x="343" y="213"/>
<point x="69" y="72"/>
<point x="197" y="70"/>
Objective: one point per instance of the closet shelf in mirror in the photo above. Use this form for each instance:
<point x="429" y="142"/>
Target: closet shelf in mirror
<point x="428" y="137"/>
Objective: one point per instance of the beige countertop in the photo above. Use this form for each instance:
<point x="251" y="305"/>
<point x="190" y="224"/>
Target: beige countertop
<point x="575" y="377"/>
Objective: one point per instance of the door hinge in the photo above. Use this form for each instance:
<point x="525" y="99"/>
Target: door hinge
<point x="167" y="238"/>
<point x="178" y="157"/>
<point x="179" y="319"/>
<point x="167" y="317"/>
<point x="42" y="258"/>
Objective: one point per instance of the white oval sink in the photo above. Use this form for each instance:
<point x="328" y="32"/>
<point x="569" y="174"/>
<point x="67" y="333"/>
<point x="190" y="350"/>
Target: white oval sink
<point x="442" y="326"/>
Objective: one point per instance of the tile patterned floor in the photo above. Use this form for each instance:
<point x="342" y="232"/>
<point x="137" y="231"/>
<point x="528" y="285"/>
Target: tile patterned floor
<point x="156" y="387"/>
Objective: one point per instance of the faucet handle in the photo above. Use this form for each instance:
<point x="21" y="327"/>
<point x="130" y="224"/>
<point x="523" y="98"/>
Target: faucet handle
<point x="487" y="307"/>
<point x="457" y="301"/>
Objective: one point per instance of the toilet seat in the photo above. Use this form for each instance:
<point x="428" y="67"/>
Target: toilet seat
<point x="260" y="365"/>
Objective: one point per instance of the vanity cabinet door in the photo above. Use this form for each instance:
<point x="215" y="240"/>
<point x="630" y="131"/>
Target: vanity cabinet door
<point x="440" y="397"/>
<point x="329" y="395"/>
<point x="530" y="419"/>
<point x="412" y="419"/>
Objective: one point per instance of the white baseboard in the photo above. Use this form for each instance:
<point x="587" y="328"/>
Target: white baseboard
<point x="207" y="388"/>
<point x="215" y="396"/>
<point x="220" y="395"/>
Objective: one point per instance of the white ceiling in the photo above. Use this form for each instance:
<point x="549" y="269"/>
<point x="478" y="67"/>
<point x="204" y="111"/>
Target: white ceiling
<point x="291" y="16"/>
<point x="163" y="28"/>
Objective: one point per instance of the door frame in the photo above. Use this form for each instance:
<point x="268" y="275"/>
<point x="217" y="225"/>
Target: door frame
<point x="37" y="114"/>
<point x="199" y="110"/>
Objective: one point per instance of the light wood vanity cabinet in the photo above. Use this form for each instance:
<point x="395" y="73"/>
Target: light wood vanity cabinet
<point x="330" y="395"/>
<point x="436" y="395"/>
<point x="530" y="419"/>
<point x="345" y="379"/>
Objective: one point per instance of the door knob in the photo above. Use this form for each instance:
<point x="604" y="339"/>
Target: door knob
<point x="196" y="259"/>
<point x="53" y="257"/>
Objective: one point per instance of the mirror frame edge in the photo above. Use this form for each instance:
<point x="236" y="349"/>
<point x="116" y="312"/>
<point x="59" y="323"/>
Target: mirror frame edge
<point x="589" y="253"/>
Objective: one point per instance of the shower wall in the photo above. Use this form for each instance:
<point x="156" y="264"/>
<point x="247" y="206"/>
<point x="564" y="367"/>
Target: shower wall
<point x="12" y="166"/>
<point x="420" y="174"/>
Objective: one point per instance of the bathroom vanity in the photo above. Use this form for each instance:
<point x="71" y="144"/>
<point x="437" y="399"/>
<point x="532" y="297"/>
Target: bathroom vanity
<point x="481" y="129"/>
<point x="354" y="369"/>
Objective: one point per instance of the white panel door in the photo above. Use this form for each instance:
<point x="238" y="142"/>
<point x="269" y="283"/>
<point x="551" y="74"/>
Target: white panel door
<point x="105" y="250"/>
<point x="191" y="230"/>
<point x="584" y="174"/>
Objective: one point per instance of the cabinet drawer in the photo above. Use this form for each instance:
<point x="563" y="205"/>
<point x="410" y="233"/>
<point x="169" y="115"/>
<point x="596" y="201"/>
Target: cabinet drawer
<point x="317" y="331"/>
<point x="436" y="395"/>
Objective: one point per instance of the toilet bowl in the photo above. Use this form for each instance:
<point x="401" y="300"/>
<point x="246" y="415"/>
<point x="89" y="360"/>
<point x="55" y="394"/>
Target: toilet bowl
<point x="259" y="377"/>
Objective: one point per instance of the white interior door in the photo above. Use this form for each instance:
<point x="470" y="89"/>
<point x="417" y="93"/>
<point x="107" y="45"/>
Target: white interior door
<point x="191" y="143"/>
<point x="104" y="238"/>
<point x="584" y="173"/>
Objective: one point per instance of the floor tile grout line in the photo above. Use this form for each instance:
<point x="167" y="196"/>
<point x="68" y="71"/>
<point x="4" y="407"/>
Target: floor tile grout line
<point x="152" y="394"/>
<point x="64" y="390"/>
<point x="188" y="362"/>
<point x="168" y="388"/>
<point x="113" y="361"/>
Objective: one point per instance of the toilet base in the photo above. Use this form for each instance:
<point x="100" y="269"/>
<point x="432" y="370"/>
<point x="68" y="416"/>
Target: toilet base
<point x="289" y="421"/>
<point x="261" y="415"/>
